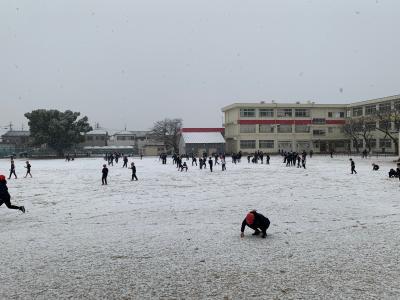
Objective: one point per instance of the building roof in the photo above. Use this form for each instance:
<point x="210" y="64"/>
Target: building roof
<point x="124" y="132"/>
<point x="107" y="147"/>
<point x="97" y="131"/>
<point x="15" y="133"/>
<point x="203" y="138"/>
<point x="202" y="129"/>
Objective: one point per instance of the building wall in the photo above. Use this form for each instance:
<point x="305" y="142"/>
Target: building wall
<point x="270" y="133"/>
<point x="95" y="140"/>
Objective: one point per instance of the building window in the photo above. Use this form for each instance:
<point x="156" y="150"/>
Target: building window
<point x="285" y="145"/>
<point x="370" y="126"/>
<point x="330" y="129"/>
<point x="330" y="114"/>
<point x="370" y="110"/>
<point x="302" y="113"/>
<point x="247" y="128"/>
<point x="120" y="138"/>
<point x="283" y="128"/>
<point x="357" y="111"/>
<point x="372" y="143"/>
<point x="341" y="114"/>
<point x="266" y="112"/>
<point x="247" y="112"/>
<point x="319" y="121"/>
<point x="102" y="138"/>
<point x="266" y="144"/>
<point x="248" y="144"/>
<point x="385" y="143"/>
<point x="397" y="105"/>
<point x="384" y="124"/>
<point x="89" y="138"/>
<point x="385" y="107"/>
<point x="302" y="129"/>
<point x="266" y="128"/>
<point x="285" y="112"/>
<point x="339" y="144"/>
<point x="318" y="132"/>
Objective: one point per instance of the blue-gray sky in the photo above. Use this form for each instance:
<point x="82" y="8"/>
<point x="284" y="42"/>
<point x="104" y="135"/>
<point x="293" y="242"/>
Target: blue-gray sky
<point x="133" y="62"/>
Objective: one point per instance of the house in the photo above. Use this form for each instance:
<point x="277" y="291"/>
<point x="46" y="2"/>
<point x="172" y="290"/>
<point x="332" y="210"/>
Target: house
<point x="96" y="137"/>
<point x="123" y="138"/>
<point x="197" y="141"/>
<point x="18" y="138"/>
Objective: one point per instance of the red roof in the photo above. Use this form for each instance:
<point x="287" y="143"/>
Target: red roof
<point x="203" y="130"/>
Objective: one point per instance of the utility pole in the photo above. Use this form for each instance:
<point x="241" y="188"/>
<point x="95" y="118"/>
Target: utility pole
<point x="10" y="126"/>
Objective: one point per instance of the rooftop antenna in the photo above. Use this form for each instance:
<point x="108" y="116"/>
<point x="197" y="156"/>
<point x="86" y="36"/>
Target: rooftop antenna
<point x="11" y="126"/>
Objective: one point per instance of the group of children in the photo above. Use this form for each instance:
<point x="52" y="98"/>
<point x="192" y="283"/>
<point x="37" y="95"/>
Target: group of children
<point x="12" y="169"/>
<point x="104" y="171"/>
<point x="181" y="165"/>
<point x="291" y="158"/>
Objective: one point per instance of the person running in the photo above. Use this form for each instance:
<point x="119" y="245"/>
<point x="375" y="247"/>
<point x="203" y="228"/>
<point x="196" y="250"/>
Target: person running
<point x="5" y="195"/>
<point x="353" y="166"/>
<point x="223" y="163"/>
<point x="28" y="169"/>
<point x="210" y="162"/>
<point x="12" y="169"/>
<point x="257" y="222"/>
<point x="104" y="176"/>
<point x="125" y="165"/>
<point x="133" y="168"/>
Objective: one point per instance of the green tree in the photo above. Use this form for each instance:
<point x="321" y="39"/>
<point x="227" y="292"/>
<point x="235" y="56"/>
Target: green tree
<point x="59" y="130"/>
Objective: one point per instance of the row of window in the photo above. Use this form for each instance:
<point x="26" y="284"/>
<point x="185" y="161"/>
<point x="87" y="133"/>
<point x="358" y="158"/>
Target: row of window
<point x="270" y="144"/>
<point x="262" y="144"/>
<point x="283" y="128"/>
<point x="97" y="138"/>
<point x="383" y="143"/>
<point x="283" y="112"/>
<point x="373" y="108"/>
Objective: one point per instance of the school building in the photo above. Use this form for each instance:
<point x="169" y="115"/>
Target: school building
<point x="273" y="127"/>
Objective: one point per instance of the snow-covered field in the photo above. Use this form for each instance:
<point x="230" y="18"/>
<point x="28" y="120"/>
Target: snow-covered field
<point x="174" y="235"/>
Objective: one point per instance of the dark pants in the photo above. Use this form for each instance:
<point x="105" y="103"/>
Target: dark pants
<point x="11" y="173"/>
<point x="28" y="173"/>
<point x="104" y="180"/>
<point x="134" y="176"/>
<point x="125" y="164"/>
<point x="353" y="170"/>
<point x="223" y="167"/>
<point x="8" y="204"/>
<point x="262" y="227"/>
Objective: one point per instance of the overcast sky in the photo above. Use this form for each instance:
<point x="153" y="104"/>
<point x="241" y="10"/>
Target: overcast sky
<point x="133" y="62"/>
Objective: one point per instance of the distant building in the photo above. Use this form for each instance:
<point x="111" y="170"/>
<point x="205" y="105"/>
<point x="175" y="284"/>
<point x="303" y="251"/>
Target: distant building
<point x="123" y="138"/>
<point x="273" y="127"/>
<point x="18" y="138"/>
<point x="199" y="140"/>
<point x="96" y="137"/>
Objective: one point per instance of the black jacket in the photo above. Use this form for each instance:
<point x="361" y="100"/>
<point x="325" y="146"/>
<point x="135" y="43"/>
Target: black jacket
<point x="105" y="172"/>
<point x="4" y="194"/>
<point x="259" y="222"/>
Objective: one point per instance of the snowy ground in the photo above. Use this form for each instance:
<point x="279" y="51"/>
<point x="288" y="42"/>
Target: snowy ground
<point x="175" y="235"/>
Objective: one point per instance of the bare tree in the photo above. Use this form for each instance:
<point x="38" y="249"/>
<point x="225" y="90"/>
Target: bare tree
<point x="367" y="127"/>
<point x="167" y="131"/>
<point x="387" y="120"/>
<point x="353" y="130"/>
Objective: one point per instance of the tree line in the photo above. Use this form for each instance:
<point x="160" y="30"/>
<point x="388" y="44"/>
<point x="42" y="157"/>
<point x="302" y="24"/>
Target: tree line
<point x="61" y="131"/>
